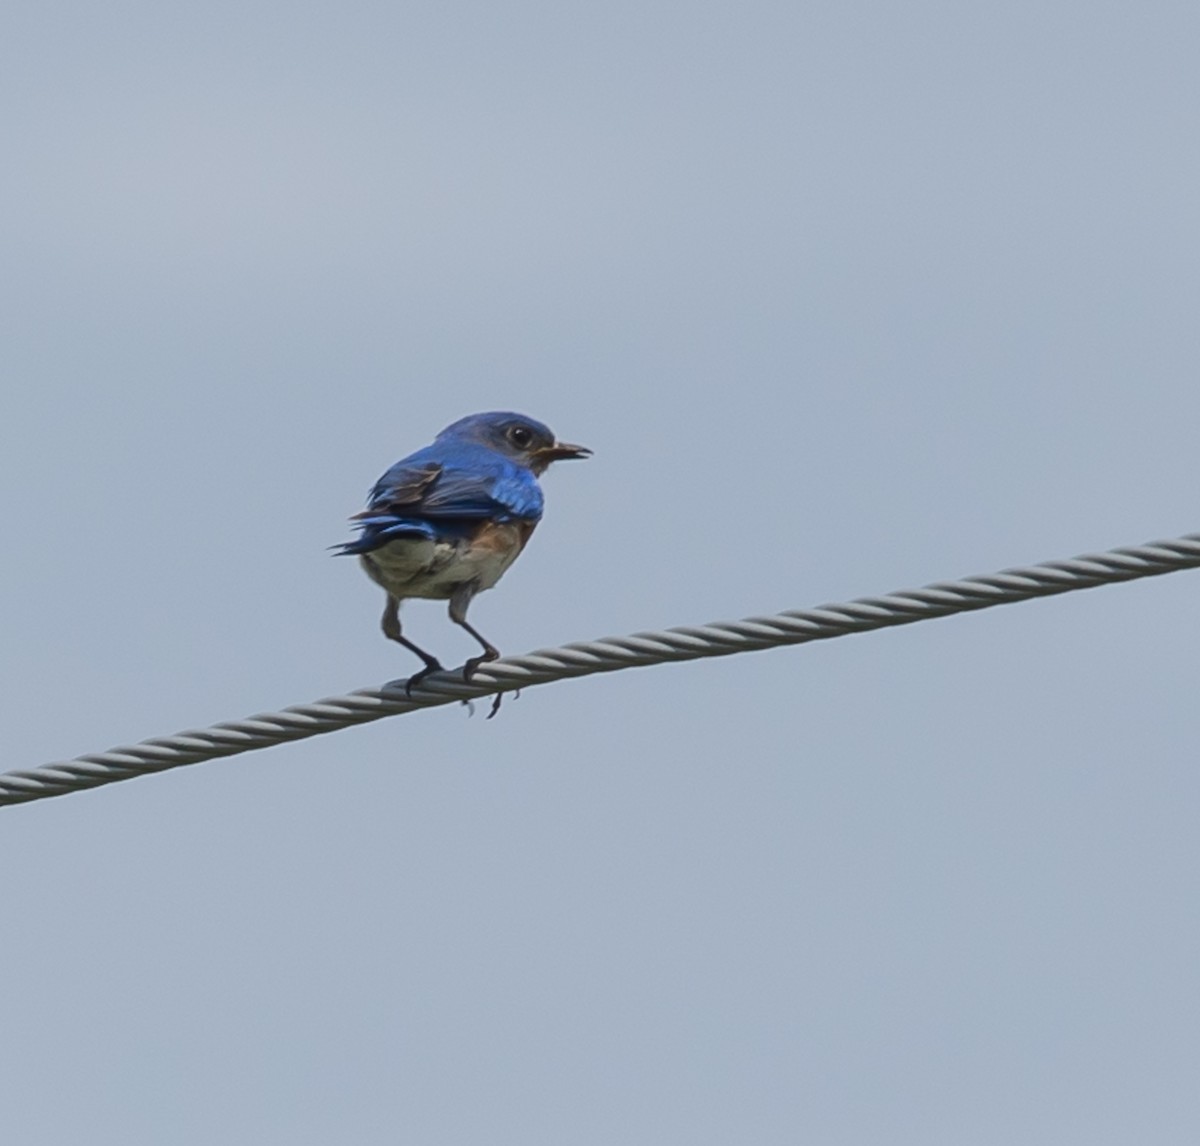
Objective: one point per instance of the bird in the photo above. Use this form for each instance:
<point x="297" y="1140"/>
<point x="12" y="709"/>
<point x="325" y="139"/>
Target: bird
<point x="446" y="522"/>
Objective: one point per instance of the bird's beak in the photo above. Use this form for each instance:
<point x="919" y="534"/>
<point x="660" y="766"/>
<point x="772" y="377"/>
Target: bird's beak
<point x="561" y="452"/>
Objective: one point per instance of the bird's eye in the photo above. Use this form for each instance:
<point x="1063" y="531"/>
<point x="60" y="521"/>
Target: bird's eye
<point x="521" y="437"/>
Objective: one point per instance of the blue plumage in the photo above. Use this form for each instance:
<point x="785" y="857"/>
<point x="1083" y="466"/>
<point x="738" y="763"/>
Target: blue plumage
<point x="448" y="520"/>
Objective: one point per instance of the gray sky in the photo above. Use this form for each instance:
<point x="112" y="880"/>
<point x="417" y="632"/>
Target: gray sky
<point x="846" y="298"/>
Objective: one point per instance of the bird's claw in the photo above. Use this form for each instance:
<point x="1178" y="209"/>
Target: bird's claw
<point x="417" y="677"/>
<point x="473" y="663"/>
<point x="469" y="670"/>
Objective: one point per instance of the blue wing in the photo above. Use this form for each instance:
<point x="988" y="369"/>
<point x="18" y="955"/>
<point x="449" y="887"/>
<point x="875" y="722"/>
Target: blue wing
<point x="439" y="493"/>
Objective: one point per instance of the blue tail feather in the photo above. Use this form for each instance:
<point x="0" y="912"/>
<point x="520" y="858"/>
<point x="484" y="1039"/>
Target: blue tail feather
<point x="377" y="531"/>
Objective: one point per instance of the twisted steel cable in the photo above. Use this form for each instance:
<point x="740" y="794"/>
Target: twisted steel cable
<point x="582" y="658"/>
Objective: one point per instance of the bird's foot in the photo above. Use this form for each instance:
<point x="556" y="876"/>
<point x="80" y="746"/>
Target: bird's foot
<point x="473" y="663"/>
<point x="495" y="705"/>
<point x="431" y="666"/>
<point x="469" y="705"/>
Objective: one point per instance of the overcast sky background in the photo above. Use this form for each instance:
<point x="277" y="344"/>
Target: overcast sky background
<point x="846" y="298"/>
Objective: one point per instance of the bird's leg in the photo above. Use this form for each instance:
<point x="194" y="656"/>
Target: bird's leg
<point x="459" y="601"/>
<point x="391" y="629"/>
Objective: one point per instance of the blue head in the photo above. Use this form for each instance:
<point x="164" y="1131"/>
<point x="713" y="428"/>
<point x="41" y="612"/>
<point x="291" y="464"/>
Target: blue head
<point x="523" y="440"/>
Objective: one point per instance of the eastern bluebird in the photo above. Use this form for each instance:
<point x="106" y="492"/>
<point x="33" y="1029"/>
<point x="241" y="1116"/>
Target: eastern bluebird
<point x="447" y="521"/>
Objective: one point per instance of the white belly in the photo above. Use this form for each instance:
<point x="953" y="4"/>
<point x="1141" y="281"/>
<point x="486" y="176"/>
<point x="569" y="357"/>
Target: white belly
<point x="415" y="567"/>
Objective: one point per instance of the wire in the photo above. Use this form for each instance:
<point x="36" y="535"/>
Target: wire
<point x="582" y="658"/>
